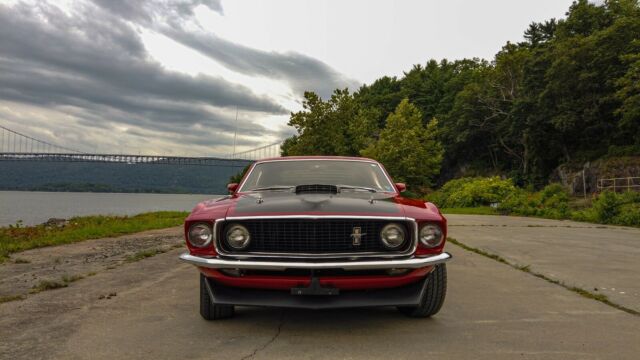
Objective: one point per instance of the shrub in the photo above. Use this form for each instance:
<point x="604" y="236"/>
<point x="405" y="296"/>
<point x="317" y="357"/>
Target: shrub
<point x="614" y="208"/>
<point x="554" y="201"/>
<point x="551" y="202"/>
<point x="519" y="202"/>
<point x="605" y="207"/>
<point x="629" y="215"/>
<point x="472" y="192"/>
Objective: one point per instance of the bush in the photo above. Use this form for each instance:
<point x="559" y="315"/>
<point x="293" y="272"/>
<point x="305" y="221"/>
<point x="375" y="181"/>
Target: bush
<point x="519" y="202"/>
<point x="629" y="215"/>
<point x="613" y="208"/>
<point x="554" y="202"/>
<point x="550" y="202"/>
<point x="472" y="192"/>
<point x="606" y="206"/>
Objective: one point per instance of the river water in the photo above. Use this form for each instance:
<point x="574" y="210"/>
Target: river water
<point x="37" y="207"/>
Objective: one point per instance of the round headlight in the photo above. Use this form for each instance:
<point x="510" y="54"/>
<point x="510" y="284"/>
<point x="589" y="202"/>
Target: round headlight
<point x="238" y="236"/>
<point x="392" y="236"/>
<point x="431" y="235"/>
<point x="200" y="234"/>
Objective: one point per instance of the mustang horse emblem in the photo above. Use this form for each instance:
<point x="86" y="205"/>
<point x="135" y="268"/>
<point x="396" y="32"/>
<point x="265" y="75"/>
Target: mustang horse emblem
<point x="357" y="236"/>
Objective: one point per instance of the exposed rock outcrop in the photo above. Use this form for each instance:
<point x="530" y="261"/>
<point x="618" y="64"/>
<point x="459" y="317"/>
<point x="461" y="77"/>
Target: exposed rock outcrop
<point x="576" y="178"/>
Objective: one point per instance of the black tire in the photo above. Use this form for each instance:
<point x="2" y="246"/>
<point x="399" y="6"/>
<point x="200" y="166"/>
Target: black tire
<point x="433" y="297"/>
<point x="208" y="309"/>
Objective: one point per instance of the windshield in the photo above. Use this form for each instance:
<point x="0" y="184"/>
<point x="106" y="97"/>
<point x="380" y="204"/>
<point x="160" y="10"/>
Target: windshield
<point x="326" y="172"/>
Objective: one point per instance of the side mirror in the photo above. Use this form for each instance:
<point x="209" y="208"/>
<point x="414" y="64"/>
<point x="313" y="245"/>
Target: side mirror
<point x="401" y="187"/>
<point x="232" y="187"/>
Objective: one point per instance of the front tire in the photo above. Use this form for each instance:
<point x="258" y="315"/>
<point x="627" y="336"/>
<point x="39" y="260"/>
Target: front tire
<point x="433" y="296"/>
<point x="209" y="310"/>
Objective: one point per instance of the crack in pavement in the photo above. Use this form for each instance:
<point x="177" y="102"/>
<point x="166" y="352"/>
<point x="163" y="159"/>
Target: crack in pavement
<point x="527" y="269"/>
<point x="273" y="338"/>
<point x="531" y="226"/>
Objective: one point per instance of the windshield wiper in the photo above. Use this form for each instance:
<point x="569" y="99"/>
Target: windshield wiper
<point x="351" y="187"/>
<point x="271" y="188"/>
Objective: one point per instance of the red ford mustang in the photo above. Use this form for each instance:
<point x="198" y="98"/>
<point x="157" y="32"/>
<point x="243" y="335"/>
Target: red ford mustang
<point x="317" y="232"/>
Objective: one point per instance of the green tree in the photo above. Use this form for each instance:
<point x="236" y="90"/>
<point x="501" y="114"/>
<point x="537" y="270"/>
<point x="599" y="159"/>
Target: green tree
<point x="629" y="96"/>
<point x="338" y="126"/>
<point x="579" y="97"/>
<point x="568" y="93"/>
<point x="383" y="96"/>
<point x="540" y="33"/>
<point x="238" y="176"/>
<point x="408" y="149"/>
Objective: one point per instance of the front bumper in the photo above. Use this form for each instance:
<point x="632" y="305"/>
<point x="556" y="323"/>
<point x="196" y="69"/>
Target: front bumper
<point x="408" y="295"/>
<point x="409" y="263"/>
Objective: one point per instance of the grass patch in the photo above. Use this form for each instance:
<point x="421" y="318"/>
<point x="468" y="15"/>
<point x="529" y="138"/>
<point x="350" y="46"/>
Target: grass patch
<point x="479" y="251"/>
<point x="18" y="238"/>
<point x="480" y="210"/>
<point x="143" y="255"/>
<point x="45" y="285"/>
<point x="65" y="280"/>
<point x="8" y="298"/>
<point x="527" y="269"/>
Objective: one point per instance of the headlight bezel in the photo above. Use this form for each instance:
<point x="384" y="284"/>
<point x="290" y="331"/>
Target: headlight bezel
<point x="385" y="241"/>
<point x="436" y="231"/>
<point x="202" y="226"/>
<point x="234" y="227"/>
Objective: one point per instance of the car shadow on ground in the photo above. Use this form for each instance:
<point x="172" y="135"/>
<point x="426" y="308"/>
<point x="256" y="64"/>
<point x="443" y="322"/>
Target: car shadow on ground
<point x="326" y="320"/>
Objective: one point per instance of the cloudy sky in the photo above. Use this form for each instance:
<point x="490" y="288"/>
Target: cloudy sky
<point x="166" y="77"/>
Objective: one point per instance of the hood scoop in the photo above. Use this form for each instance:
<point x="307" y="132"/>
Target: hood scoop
<point x="316" y="189"/>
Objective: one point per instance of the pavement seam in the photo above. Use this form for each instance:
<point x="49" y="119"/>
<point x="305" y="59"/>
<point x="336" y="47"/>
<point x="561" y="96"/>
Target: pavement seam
<point x="532" y="226"/>
<point x="527" y="269"/>
<point x="273" y="338"/>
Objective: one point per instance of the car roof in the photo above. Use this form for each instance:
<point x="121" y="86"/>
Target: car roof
<point x="316" y="157"/>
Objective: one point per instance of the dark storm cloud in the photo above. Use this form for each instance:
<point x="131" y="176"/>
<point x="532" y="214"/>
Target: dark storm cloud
<point x="98" y="62"/>
<point x="92" y="64"/>
<point x="30" y="84"/>
<point x="106" y="50"/>
<point x="301" y="72"/>
<point x="150" y="10"/>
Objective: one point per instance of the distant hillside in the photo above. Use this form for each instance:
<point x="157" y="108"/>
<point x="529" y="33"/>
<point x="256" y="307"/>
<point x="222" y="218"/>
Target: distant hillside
<point x="106" y="177"/>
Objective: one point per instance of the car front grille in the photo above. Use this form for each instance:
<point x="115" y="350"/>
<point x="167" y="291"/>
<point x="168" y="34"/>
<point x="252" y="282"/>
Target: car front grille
<point x="315" y="236"/>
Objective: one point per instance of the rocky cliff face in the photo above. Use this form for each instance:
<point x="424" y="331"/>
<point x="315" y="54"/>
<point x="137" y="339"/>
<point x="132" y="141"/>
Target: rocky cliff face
<point x="573" y="177"/>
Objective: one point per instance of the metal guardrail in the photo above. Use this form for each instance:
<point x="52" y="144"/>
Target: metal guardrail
<point x="619" y="184"/>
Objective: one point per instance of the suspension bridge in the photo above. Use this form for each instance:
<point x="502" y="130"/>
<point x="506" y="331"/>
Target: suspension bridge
<point x="15" y="146"/>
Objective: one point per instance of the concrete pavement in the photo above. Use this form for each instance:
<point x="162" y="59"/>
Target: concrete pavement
<point x="492" y="311"/>
<point x="597" y="258"/>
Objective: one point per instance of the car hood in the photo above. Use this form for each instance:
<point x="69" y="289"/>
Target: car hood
<point x="287" y="203"/>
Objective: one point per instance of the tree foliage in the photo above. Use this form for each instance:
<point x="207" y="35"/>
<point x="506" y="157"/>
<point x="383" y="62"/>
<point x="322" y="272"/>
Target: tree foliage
<point x="408" y="149"/>
<point x="568" y="93"/>
<point x="338" y="126"/>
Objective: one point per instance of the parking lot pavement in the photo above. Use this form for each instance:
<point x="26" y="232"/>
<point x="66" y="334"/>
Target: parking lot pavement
<point x="600" y="259"/>
<point x="492" y="311"/>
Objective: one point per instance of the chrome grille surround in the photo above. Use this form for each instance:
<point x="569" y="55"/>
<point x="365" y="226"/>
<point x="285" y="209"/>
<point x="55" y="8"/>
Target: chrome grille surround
<point x="410" y="222"/>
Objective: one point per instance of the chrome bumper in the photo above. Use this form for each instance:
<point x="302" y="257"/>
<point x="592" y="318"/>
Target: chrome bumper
<point x="410" y="263"/>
